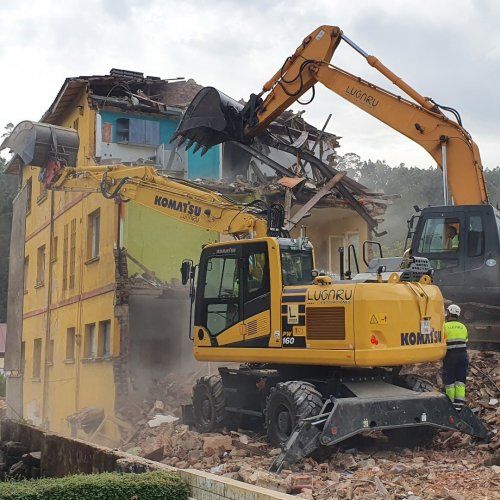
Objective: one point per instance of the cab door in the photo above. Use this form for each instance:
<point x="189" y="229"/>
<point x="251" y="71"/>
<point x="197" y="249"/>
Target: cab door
<point x="219" y="310"/>
<point x="256" y="295"/>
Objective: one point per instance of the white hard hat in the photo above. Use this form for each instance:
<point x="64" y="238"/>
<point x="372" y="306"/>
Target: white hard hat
<point x="454" y="309"/>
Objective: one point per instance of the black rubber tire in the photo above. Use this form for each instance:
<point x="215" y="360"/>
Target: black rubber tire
<point x="208" y="404"/>
<point x="286" y="404"/>
<point x="411" y="437"/>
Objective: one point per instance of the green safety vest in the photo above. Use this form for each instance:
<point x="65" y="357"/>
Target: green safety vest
<point x="456" y="334"/>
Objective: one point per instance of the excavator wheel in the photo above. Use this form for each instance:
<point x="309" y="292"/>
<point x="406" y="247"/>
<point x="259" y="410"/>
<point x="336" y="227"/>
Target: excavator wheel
<point x="286" y="404"/>
<point x="208" y="403"/>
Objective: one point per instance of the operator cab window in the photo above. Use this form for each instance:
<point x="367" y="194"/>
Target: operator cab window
<point x="258" y="275"/>
<point x="440" y="241"/>
<point x="296" y="267"/>
<point x="221" y="293"/>
<point x="440" y="234"/>
<point x="475" y="242"/>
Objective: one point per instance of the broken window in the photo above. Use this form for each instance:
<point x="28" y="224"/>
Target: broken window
<point x="90" y="341"/>
<point x="138" y="131"/>
<point x="40" y="266"/>
<point x="72" y="255"/>
<point x="37" y="358"/>
<point x="94" y="222"/>
<point x="70" y="344"/>
<point x="104" y="350"/>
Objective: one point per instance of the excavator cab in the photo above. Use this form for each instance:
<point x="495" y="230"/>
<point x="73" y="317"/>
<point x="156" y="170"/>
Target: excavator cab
<point x="462" y="244"/>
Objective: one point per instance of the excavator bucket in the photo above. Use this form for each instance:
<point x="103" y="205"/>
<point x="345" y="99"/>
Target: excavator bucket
<point x="43" y="145"/>
<point x="211" y="118"/>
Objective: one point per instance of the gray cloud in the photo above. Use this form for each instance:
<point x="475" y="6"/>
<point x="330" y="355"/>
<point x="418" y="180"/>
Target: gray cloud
<point x="449" y="50"/>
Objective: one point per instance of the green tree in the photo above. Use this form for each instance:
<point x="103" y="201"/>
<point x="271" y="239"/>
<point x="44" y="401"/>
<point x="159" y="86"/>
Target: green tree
<point x="416" y="186"/>
<point x="8" y="189"/>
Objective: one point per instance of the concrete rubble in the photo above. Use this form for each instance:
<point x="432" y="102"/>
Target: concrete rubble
<point x="454" y="467"/>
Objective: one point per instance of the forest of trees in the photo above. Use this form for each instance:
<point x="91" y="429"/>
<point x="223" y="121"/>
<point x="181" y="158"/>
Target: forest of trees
<point x="8" y="189"/>
<point x="416" y="187"/>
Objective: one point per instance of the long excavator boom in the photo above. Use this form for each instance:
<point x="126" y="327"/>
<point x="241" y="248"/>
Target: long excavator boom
<point x="419" y="119"/>
<point x="176" y="198"/>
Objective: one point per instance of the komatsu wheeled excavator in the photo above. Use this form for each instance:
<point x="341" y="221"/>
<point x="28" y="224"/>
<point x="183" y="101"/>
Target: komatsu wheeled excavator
<point x="461" y="239"/>
<point x="323" y="354"/>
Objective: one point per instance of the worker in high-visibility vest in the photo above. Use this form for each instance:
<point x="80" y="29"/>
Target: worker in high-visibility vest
<point x="455" y="363"/>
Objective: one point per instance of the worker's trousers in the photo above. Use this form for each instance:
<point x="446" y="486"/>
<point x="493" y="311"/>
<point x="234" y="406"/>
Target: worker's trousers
<point x="455" y="366"/>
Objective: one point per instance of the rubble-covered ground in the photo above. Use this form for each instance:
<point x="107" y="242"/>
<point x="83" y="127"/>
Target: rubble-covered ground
<point x="453" y="467"/>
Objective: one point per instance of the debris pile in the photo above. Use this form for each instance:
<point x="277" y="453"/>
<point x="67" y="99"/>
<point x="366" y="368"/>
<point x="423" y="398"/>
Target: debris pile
<point x="369" y="466"/>
<point x="18" y="462"/>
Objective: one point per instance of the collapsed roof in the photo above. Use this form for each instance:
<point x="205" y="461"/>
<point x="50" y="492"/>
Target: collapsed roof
<point x="308" y="153"/>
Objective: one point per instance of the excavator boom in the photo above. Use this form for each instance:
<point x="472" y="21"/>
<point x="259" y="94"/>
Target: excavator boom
<point x="53" y="149"/>
<point x="213" y="117"/>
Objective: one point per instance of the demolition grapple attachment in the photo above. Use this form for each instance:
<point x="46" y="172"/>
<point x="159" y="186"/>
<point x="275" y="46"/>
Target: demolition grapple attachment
<point x="43" y="145"/>
<point x="213" y="118"/>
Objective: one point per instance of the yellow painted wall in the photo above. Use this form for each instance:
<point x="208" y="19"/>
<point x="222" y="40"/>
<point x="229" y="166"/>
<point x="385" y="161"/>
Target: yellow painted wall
<point x="68" y="385"/>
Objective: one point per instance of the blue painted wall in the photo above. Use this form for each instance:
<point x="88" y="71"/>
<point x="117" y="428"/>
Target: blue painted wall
<point x="198" y="167"/>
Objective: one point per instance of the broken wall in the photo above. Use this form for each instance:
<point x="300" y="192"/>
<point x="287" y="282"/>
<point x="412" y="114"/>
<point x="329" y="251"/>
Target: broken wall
<point x="159" y="341"/>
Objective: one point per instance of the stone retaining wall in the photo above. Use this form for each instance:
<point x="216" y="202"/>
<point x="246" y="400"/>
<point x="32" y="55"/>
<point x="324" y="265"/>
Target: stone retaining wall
<point x="61" y="456"/>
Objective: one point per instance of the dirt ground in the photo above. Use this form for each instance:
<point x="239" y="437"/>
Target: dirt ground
<point x="453" y="467"/>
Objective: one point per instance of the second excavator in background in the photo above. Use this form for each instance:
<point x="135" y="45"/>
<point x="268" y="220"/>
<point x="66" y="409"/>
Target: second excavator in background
<point x="461" y="238"/>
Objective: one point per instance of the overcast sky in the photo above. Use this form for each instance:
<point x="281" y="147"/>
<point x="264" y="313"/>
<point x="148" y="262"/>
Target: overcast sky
<point x="449" y="50"/>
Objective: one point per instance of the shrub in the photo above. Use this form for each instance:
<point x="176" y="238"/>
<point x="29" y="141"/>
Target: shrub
<point x="105" y="486"/>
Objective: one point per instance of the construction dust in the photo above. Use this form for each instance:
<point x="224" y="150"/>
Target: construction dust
<point x="453" y="466"/>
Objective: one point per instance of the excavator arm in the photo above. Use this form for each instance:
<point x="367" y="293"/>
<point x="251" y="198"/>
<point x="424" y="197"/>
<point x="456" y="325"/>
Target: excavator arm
<point x="52" y="149"/>
<point x="419" y="119"/>
<point x="174" y="198"/>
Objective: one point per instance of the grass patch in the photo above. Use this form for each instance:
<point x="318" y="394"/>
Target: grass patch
<point x="106" y="486"/>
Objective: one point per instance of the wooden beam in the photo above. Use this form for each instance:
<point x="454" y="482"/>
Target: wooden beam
<point x="323" y="191"/>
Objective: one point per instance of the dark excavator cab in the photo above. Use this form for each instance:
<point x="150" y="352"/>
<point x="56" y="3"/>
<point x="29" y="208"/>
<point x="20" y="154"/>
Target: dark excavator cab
<point x="462" y="244"/>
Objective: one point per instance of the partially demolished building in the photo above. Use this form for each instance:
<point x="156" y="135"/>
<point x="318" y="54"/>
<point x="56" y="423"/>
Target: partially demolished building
<point x="96" y="311"/>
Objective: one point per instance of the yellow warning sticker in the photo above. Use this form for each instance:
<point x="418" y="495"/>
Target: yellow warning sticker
<point x="378" y="319"/>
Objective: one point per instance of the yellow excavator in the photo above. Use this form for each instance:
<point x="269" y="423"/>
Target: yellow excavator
<point x="466" y="270"/>
<point x="325" y="353"/>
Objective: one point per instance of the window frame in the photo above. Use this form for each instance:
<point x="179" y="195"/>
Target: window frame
<point x="70" y="333"/>
<point x="482" y="238"/>
<point x="93" y="235"/>
<point x="41" y="266"/>
<point x="36" y="372"/>
<point x="104" y="332"/>
<point x="90" y="341"/>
